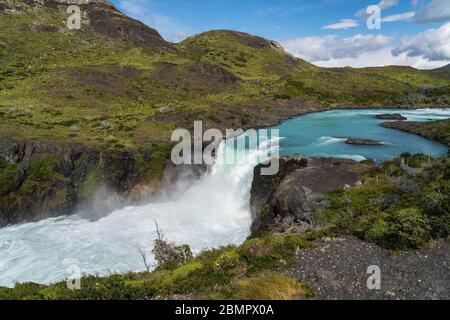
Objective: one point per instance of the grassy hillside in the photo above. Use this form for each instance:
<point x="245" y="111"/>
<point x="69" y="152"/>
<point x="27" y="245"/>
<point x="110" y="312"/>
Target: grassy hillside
<point x="443" y="72"/>
<point x="61" y="84"/>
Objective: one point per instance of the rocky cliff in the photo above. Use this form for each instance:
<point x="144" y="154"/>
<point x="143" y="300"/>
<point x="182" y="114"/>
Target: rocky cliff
<point x="284" y="202"/>
<point x="40" y="180"/>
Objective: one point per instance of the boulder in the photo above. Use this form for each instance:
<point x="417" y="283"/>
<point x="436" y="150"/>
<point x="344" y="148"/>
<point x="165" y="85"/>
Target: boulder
<point x="362" y="142"/>
<point x="390" y="116"/>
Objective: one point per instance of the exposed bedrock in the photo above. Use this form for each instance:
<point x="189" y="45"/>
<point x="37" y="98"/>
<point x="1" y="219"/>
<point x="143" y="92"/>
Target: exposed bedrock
<point x="390" y="116"/>
<point x="362" y="142"/>
<point x="42" y="180"/>
<point x="284" y="201"/>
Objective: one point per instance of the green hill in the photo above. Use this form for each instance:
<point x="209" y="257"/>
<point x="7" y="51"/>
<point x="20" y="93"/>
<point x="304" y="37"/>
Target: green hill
<point x="118" y="70"/>
<point x="443" y="72"/>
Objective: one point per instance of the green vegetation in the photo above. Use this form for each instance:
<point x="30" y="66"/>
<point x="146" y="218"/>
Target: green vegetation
<point x="435" y="130"/>
<point x="392" y="208"/>
<point x="271" y="286"/>
<point x="151" y="163"/>
<point x="8" y="175"/>
<point x="43" y="168"/>
<point x="92" y="181"/>
<point x="225" y="273"/>
<point x="53" y="79"/>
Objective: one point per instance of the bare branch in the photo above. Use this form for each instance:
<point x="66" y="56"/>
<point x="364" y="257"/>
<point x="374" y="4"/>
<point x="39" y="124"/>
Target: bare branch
<point x="159" y="232"/>
<point x="144" y="258"/>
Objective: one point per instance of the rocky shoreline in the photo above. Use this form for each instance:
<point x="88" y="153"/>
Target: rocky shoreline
<point x="337" y="266"/>
<point x="438" y="130"/>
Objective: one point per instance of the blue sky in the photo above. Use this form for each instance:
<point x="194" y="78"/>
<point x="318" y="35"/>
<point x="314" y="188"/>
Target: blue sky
<point x="326" y="32"/>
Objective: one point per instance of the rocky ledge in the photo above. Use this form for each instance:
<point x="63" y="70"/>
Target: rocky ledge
<point x="362" y="142"/>
<point x="284" y="202"/>
<point x="390" y="116"/>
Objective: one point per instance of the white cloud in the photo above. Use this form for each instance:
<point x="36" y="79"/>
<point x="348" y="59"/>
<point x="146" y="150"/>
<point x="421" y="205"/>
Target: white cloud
<point x="432" y="44"/>
<point x="332" y="47"/>
<point x="357" y="51"/>
<point x="399" y="17"/>
<point x="384" y="4"/>
<point x="170" y="29"/>
<point x="343" y="24"/>
<point x="382" y="57"/>
<point x="435" y="11"/>
<point x="414" y="3"/>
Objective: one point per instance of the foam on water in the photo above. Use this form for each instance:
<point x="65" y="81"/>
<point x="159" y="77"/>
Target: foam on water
<point x="212" y="212"/>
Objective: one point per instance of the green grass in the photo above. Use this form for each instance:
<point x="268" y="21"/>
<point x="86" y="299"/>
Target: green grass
<point x="270" y="286"/>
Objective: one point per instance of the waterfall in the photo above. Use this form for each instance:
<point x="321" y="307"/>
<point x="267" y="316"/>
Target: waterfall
<point x="211" y="212"/>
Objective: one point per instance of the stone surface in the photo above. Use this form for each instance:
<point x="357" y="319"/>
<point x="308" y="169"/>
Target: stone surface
<point x="390" y="116"/>
<point x="284" y="201"/>
<point x="362" y="142"/>
<point x="337" y="270"/>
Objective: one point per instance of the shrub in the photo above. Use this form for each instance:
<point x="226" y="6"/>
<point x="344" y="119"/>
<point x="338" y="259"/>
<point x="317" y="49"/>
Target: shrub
<point x="403" y="229"/>
<point x="435" y="203"/>
<point x="417" y="160"/>
<point x="43" y="168"/>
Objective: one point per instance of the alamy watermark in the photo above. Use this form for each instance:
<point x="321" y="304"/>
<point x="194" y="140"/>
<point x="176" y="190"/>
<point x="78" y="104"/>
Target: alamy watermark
<point x="374" y="280"/>
<point x="374" y="17"/>
<point x="74" y="280"/>
<point x="74" y="20"/>
<point x="249" y="147"/>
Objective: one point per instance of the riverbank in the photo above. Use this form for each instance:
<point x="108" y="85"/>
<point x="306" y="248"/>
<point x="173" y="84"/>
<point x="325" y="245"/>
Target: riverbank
<point x="433" y="130"/>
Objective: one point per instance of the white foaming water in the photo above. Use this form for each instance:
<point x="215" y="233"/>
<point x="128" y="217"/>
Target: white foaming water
<point x="416" y="114"/>
<point x="355" y="157"/>
<point x="212" y="212"/>
<point x="329" y="140"/>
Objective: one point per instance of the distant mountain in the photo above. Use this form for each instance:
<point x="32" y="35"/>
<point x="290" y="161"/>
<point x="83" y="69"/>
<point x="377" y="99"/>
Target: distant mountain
<point x="443" y="72"/>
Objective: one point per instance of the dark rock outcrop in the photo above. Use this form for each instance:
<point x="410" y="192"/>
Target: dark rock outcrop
<point x="104" y="18"/>
<point x="42" y="180"/>
<point x="362" y="142"/>
<point x="283" y="202"/>
<point x="390" y="116"/>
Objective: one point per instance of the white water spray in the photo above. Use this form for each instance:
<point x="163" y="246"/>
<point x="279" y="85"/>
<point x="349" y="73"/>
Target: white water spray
<point x="212" y="212"/>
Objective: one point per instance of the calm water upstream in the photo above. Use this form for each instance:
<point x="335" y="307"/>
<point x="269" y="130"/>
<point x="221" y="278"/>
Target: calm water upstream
<point x="324" y="134"/>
